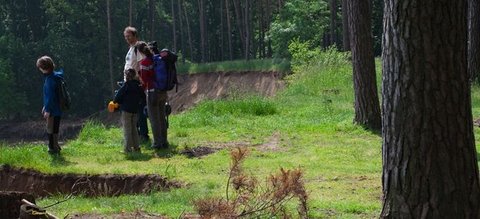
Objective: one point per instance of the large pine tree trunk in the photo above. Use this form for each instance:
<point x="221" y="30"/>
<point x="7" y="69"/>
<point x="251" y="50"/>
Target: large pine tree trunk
<point x="345" y="25"/>
<point x="474" y="39"/>
<point x="367" y="107"/>
<point x="430" y="167"/>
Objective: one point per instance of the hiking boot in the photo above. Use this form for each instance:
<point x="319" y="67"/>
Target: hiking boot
<point x="56" y="146"/>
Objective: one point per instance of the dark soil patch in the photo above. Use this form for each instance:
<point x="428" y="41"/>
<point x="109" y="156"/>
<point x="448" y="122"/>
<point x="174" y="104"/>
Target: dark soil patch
<point x="198" y="152"/>
<point x="10" y="203"/>
<point x="41" y="185"/>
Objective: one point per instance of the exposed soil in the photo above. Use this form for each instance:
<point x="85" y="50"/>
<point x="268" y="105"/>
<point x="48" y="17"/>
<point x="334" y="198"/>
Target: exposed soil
<point x="198" y="152"/>
<point x="41" y="185"/>
<point x="10" y="203"/>
<point x="192" y="89"/>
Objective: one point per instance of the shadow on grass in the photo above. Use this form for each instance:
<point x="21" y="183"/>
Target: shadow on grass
<point x="137" y="156"/>
<point x="167" y="152"/>
<point x="59" y="160"/>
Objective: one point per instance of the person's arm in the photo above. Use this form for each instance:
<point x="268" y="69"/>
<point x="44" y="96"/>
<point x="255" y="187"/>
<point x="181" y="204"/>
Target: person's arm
<point x="120" y="94"/>
<point x="50" y="92"/>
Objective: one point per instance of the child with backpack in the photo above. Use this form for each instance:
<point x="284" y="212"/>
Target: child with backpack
<point x="51" y="110"/>
<point x="156" y="98"/>
<point x="130" y="97"/>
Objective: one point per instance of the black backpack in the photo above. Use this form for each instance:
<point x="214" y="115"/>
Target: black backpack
<point x="63" y="94"/>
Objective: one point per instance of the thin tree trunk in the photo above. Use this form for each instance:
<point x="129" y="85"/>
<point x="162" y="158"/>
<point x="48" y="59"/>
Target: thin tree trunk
<point x="130" y="13"/>
<point x="229" y="28"/>
<point x="333" y="22"/>
<point x="345" y="25"/>
<point x="240" y="25"/>
<point x="110" y="59"/>
<point x="430" y="167"/>
<point x="151" y="5"/>
<point x="222" y="32"/>
<point x="190" y="43"/>
<point x="367" y="107"/>
<point x="247" y="30"/>
<point x="201" y="8"/>
<point x="174" y="28"/>
<point x="182" y="31"/>
<point x="474" y="39"/>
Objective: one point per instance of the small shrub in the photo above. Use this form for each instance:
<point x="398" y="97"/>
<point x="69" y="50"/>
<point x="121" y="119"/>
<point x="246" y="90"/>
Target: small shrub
<point x="246" y="198"/>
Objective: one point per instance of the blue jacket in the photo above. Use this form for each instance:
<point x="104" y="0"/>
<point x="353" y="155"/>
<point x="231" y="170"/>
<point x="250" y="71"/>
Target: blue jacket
<point x="51" y="101"/>
<point x="130" y="96"/>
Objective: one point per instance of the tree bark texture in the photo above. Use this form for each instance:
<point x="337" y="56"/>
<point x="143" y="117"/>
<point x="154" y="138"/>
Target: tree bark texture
<point x="229" y="30"/>
<point x="174" y="27"/>
<point x="333" y="23"/>
<point x="430" y="167"/>
<point x="345" y="26"/>
<point x="189" y="32"/>
<point x="110" y="59"/>
<point x="367" y="106"/>
<point x="201" y="8"/>
<point x="474" y="39"/>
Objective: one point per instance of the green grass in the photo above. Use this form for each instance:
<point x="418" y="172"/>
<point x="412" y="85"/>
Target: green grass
<point x="279" y="65"/>
<point x="312" y="117"/>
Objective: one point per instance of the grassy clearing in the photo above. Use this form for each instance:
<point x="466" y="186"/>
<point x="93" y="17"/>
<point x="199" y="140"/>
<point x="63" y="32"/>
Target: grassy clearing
<point x="279" y="65"/>
<point x="312" y="119"/>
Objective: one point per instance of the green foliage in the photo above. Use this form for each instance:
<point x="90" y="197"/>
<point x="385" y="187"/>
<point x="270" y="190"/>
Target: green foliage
<point x="279" y="65"/>
<point x="305" y="20"/>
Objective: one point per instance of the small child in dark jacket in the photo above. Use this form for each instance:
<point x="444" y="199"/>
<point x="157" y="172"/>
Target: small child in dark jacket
<point x="129" y="97"/>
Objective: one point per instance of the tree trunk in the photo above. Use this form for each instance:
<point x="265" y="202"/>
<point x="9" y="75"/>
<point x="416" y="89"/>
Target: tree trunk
<point x="367" y="107"/>
<point x="151" y="5"/>
<point x="180" y="21"/>
<point x="201" y="8"/>
<point x="430" y="167"/>
<point x="247" y="29"/>
<point x="229" y="29"/>
<point x="222" y="32"/>
<point x="333" y="22"/>
<point x="174" y="27"/>
<point x="130" y="13"/>
<point x="345" y="25"/>
<point x="110" y="59"/>
<point x="189" y="34"/>
<point x="240" y="21"/>
<point x="473" y="39"/>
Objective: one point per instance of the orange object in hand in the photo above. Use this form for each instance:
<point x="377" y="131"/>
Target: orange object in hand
<point x="112" y="106"/>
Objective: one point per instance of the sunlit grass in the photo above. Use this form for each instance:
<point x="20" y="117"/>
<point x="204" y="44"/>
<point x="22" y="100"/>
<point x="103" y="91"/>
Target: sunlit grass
<point x="312" y="119"/>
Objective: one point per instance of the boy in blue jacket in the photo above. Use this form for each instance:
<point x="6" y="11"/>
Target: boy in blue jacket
<point x="51" y="110"/>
